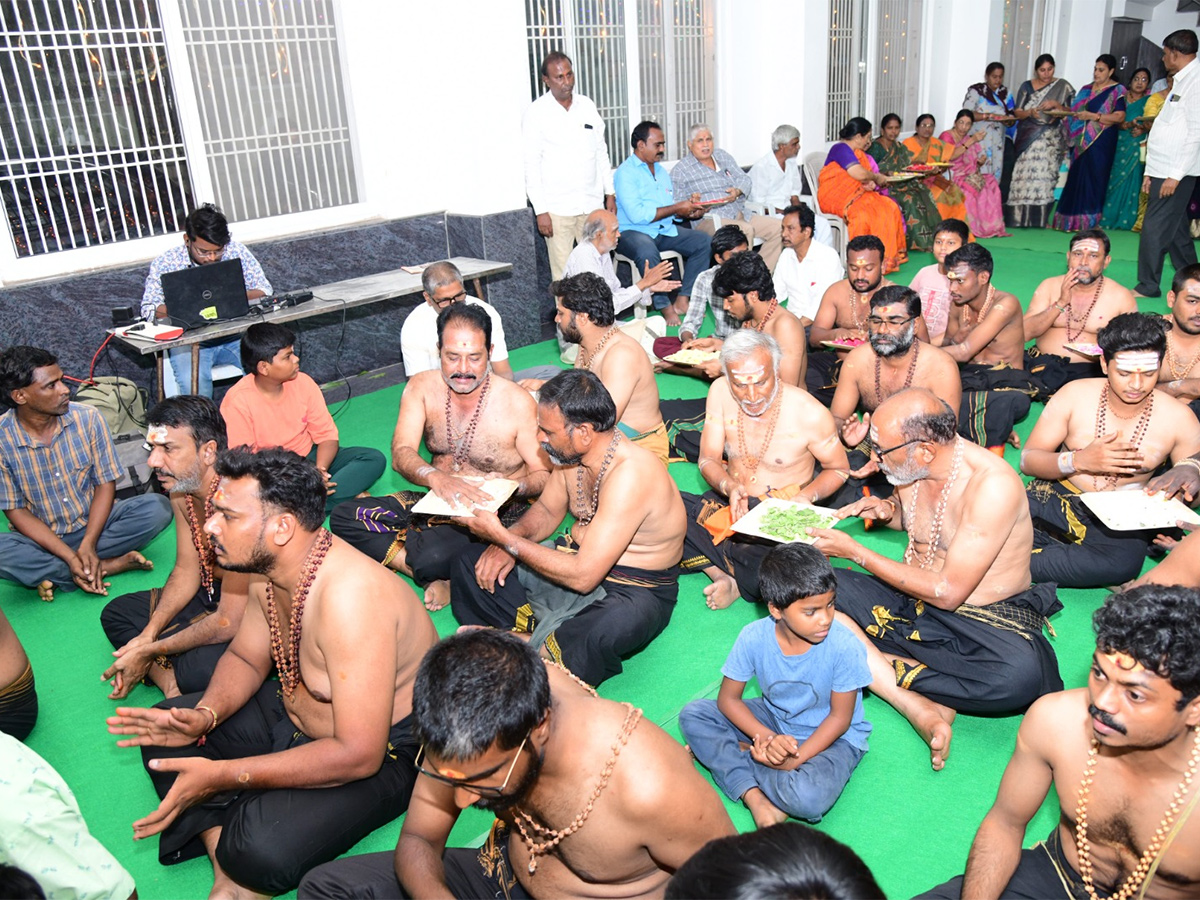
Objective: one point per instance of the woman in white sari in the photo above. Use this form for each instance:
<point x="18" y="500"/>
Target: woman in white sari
<point x="1041" y="143"/>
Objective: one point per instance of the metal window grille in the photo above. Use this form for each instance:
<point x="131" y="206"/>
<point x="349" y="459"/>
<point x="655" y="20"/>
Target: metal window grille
<point x="897" y="60"/>
<point x="669" y="43"/>
<point x="1021" y="39"/>
<point x="92" y="148"/>
<point x="847" y="65"/>
<point x="273" y="112"/>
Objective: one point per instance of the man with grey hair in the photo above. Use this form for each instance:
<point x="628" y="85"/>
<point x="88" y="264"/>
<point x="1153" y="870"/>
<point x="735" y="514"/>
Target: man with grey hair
<point x="443" y="285"/>
<point x="715" y="175"/>
<point x="775" y="181"/>
<point x="762" y="438"/>
<point x="594" y="254"/>
<point x="954" y="624"/>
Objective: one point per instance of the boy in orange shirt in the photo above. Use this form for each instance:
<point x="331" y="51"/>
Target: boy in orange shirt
<point x="277" y="405"/>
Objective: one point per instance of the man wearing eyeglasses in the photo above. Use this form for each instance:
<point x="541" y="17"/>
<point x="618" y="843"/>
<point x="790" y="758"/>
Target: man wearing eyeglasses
<point x="954" y="625"/>
<point x="892" y="359"/>
<point x="442" y="285"/>
<point x="206" y="240"/>
<point x="985" y="334"/>
<point x="841" y="318"/>
<point x="591" y="799"/>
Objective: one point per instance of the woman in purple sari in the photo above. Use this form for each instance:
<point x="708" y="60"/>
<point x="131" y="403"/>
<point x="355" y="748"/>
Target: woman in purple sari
<point x="1092" y="139"/>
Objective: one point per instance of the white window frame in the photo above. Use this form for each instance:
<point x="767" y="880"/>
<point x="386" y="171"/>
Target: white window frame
<point x="16" y="270"/>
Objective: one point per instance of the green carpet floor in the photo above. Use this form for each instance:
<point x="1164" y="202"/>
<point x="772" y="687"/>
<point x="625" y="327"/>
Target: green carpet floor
<point x="911" y="825"/>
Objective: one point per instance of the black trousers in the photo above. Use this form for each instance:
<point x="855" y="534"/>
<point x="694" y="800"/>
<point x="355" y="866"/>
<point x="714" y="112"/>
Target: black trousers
<point x="1072" y="548"/>
<point x="125" y="617"/>
<point x="19" y="705"/>
<point x="738" y="555"/>
<point x="470" y="874"/>
<point x="821" y="377"/>
<point x="634" y="610"/>
<point x="270" y="839"/>
<point x="1053" y="371"/>
<point x="1043" y="873"/>
<point x="988" y="660"/>
<point x="1165" y="230"/>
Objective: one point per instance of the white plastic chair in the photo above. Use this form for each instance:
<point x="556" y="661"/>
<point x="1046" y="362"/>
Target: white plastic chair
<point x="812" y="171"/>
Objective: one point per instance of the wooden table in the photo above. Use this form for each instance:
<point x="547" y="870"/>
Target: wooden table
<point x="327" y="298"/>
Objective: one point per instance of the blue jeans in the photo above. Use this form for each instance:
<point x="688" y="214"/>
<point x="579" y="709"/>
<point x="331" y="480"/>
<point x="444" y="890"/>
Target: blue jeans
<point x="804" y="793"/>
<point x="131" y="525"/>
<point x="642" y="249"/>
<point x="213" y="353"/>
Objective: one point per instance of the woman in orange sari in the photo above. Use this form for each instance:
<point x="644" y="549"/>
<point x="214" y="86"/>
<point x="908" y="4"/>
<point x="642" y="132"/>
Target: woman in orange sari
<point x="925" y="148"/>
<point x="850" y="186"/>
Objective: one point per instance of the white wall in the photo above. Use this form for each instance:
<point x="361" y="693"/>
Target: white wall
<point x="1083" y="33"/>
<point x="1165" y="20"/>
<point x="439" y="89"/>
<point x="959" y="53"/>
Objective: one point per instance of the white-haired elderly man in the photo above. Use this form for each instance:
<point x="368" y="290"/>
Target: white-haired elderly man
<point x="593" y="254"/>
<point x="723" y="187"/>
<point x="775" y="181"/>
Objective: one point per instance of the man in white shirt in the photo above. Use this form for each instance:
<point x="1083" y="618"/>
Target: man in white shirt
<point x="442" y="283"/>
<point x="807" y="267"/>
<point x="567" y="170"/>
<point x="775" y="179"/>
<point x="592" y="254"/>
<point x="1172" y="164"/>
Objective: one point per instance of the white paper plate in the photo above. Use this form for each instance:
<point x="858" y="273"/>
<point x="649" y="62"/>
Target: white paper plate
<point x="500" y="489"/>
<point x="1135" y="510"/>
<point x="751" y="523"/>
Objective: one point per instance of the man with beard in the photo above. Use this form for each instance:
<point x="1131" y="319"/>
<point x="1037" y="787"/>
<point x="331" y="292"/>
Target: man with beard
<point x="891" y="360"/>
<point x="1133" y="735"/>
<point x="585" y="317"/>
<point x="761" y="438"/>
<point x="506" y="731"/>
<point x="954" y="625"/>
<point x="175" y="634"/>
<point x="1183" y="340"/>
<point x="745" y="286"/>
<point x="607" y="588"/>
<point x="475" y="426"/>
<point x="58" y="484"/>
<point x="272" y="778"/>
<point x="594" y="254"/>
<point x="1103" y="434"/>
<point x="985" y="334"/>
<point x="842" y="316"/>
<point x="1068" y="311"/>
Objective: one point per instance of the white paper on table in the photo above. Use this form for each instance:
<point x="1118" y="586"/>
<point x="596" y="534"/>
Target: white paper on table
<point x="1135" y="510"/>
<point x="500" y="490"/>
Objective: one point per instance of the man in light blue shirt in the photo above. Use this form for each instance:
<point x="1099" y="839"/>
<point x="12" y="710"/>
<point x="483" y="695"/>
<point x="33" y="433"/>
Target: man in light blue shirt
<point x="646" y="210"/>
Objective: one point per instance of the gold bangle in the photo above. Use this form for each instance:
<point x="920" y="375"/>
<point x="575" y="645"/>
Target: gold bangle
<point x="212" y="712"/>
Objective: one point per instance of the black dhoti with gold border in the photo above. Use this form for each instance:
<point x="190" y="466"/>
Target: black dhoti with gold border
<point x="976" y="659"/>
<point x="994" y="399"/>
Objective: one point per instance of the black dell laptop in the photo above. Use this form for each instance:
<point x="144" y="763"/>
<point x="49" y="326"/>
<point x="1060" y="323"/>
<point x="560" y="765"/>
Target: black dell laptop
<point x="201" y="295"/>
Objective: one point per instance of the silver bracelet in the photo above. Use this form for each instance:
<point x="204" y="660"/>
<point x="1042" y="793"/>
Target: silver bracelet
<point x="512" y="550"/>
<point x="1066" y="463"/>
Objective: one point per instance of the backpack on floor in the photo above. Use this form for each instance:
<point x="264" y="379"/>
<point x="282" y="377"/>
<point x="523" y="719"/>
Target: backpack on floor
<point x="120" y="401"/>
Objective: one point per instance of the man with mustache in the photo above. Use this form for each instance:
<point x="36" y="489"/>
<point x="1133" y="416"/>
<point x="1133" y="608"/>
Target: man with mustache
<point x="475" y="426"/>
<point x="842" y="314"/>
<point x="1132" y="736"/>
<point x="1103" y="434"/>
<point x="175" y="634"/>
<point x="762" y="437"/>
<point x="271" y="778"/>
<point x="1071" y="309"/>
<point x="954" y="625"/>
<point x="891" y="360"/>
<point x="607" y="588"/>
<point x="1179" y="376"/>
<point x="58" y="484"/>
<point x="506" y="731"/>
<point x="985" y="335"/>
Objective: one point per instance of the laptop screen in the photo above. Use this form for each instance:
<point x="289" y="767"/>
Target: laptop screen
<point x="200" y="295"/>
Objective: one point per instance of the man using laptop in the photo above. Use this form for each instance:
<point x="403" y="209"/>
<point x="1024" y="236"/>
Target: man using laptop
<point x="205" y="240"/>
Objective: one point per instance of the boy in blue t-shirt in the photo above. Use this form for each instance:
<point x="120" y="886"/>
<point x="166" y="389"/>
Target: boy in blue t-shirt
<point x="790" y="752"/>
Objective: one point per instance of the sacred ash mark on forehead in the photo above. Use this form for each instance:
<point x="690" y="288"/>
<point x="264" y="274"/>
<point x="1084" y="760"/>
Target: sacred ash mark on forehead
<point x="1124" y="661"/>
<point x="156" y="434"/>
<point x="1090" y="245"/>
<point x="747" y="376"/>
<point x="1137" y="361"/>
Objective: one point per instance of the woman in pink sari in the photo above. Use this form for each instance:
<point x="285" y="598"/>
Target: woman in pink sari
<point x="985" y="213"/>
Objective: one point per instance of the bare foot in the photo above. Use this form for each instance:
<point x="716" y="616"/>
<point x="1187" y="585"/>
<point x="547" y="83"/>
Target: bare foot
<point x="131" y="560"/>
<point x="722" y="593"/>
<point x="46" y="591"/>
<point x="1014" y="439"/>
<point x="764" y="811"/>
<point x="437" y="595"/>
<point x="934" y="725"/>
<point x="672" y="317"/>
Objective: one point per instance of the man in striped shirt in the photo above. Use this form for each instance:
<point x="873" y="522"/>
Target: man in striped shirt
<point x="58" y="474"/>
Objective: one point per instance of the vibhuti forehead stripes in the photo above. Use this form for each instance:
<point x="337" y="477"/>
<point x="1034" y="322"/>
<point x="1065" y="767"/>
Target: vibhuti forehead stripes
<point x="156" y="434"/>
<point x="1137" y="361"/>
